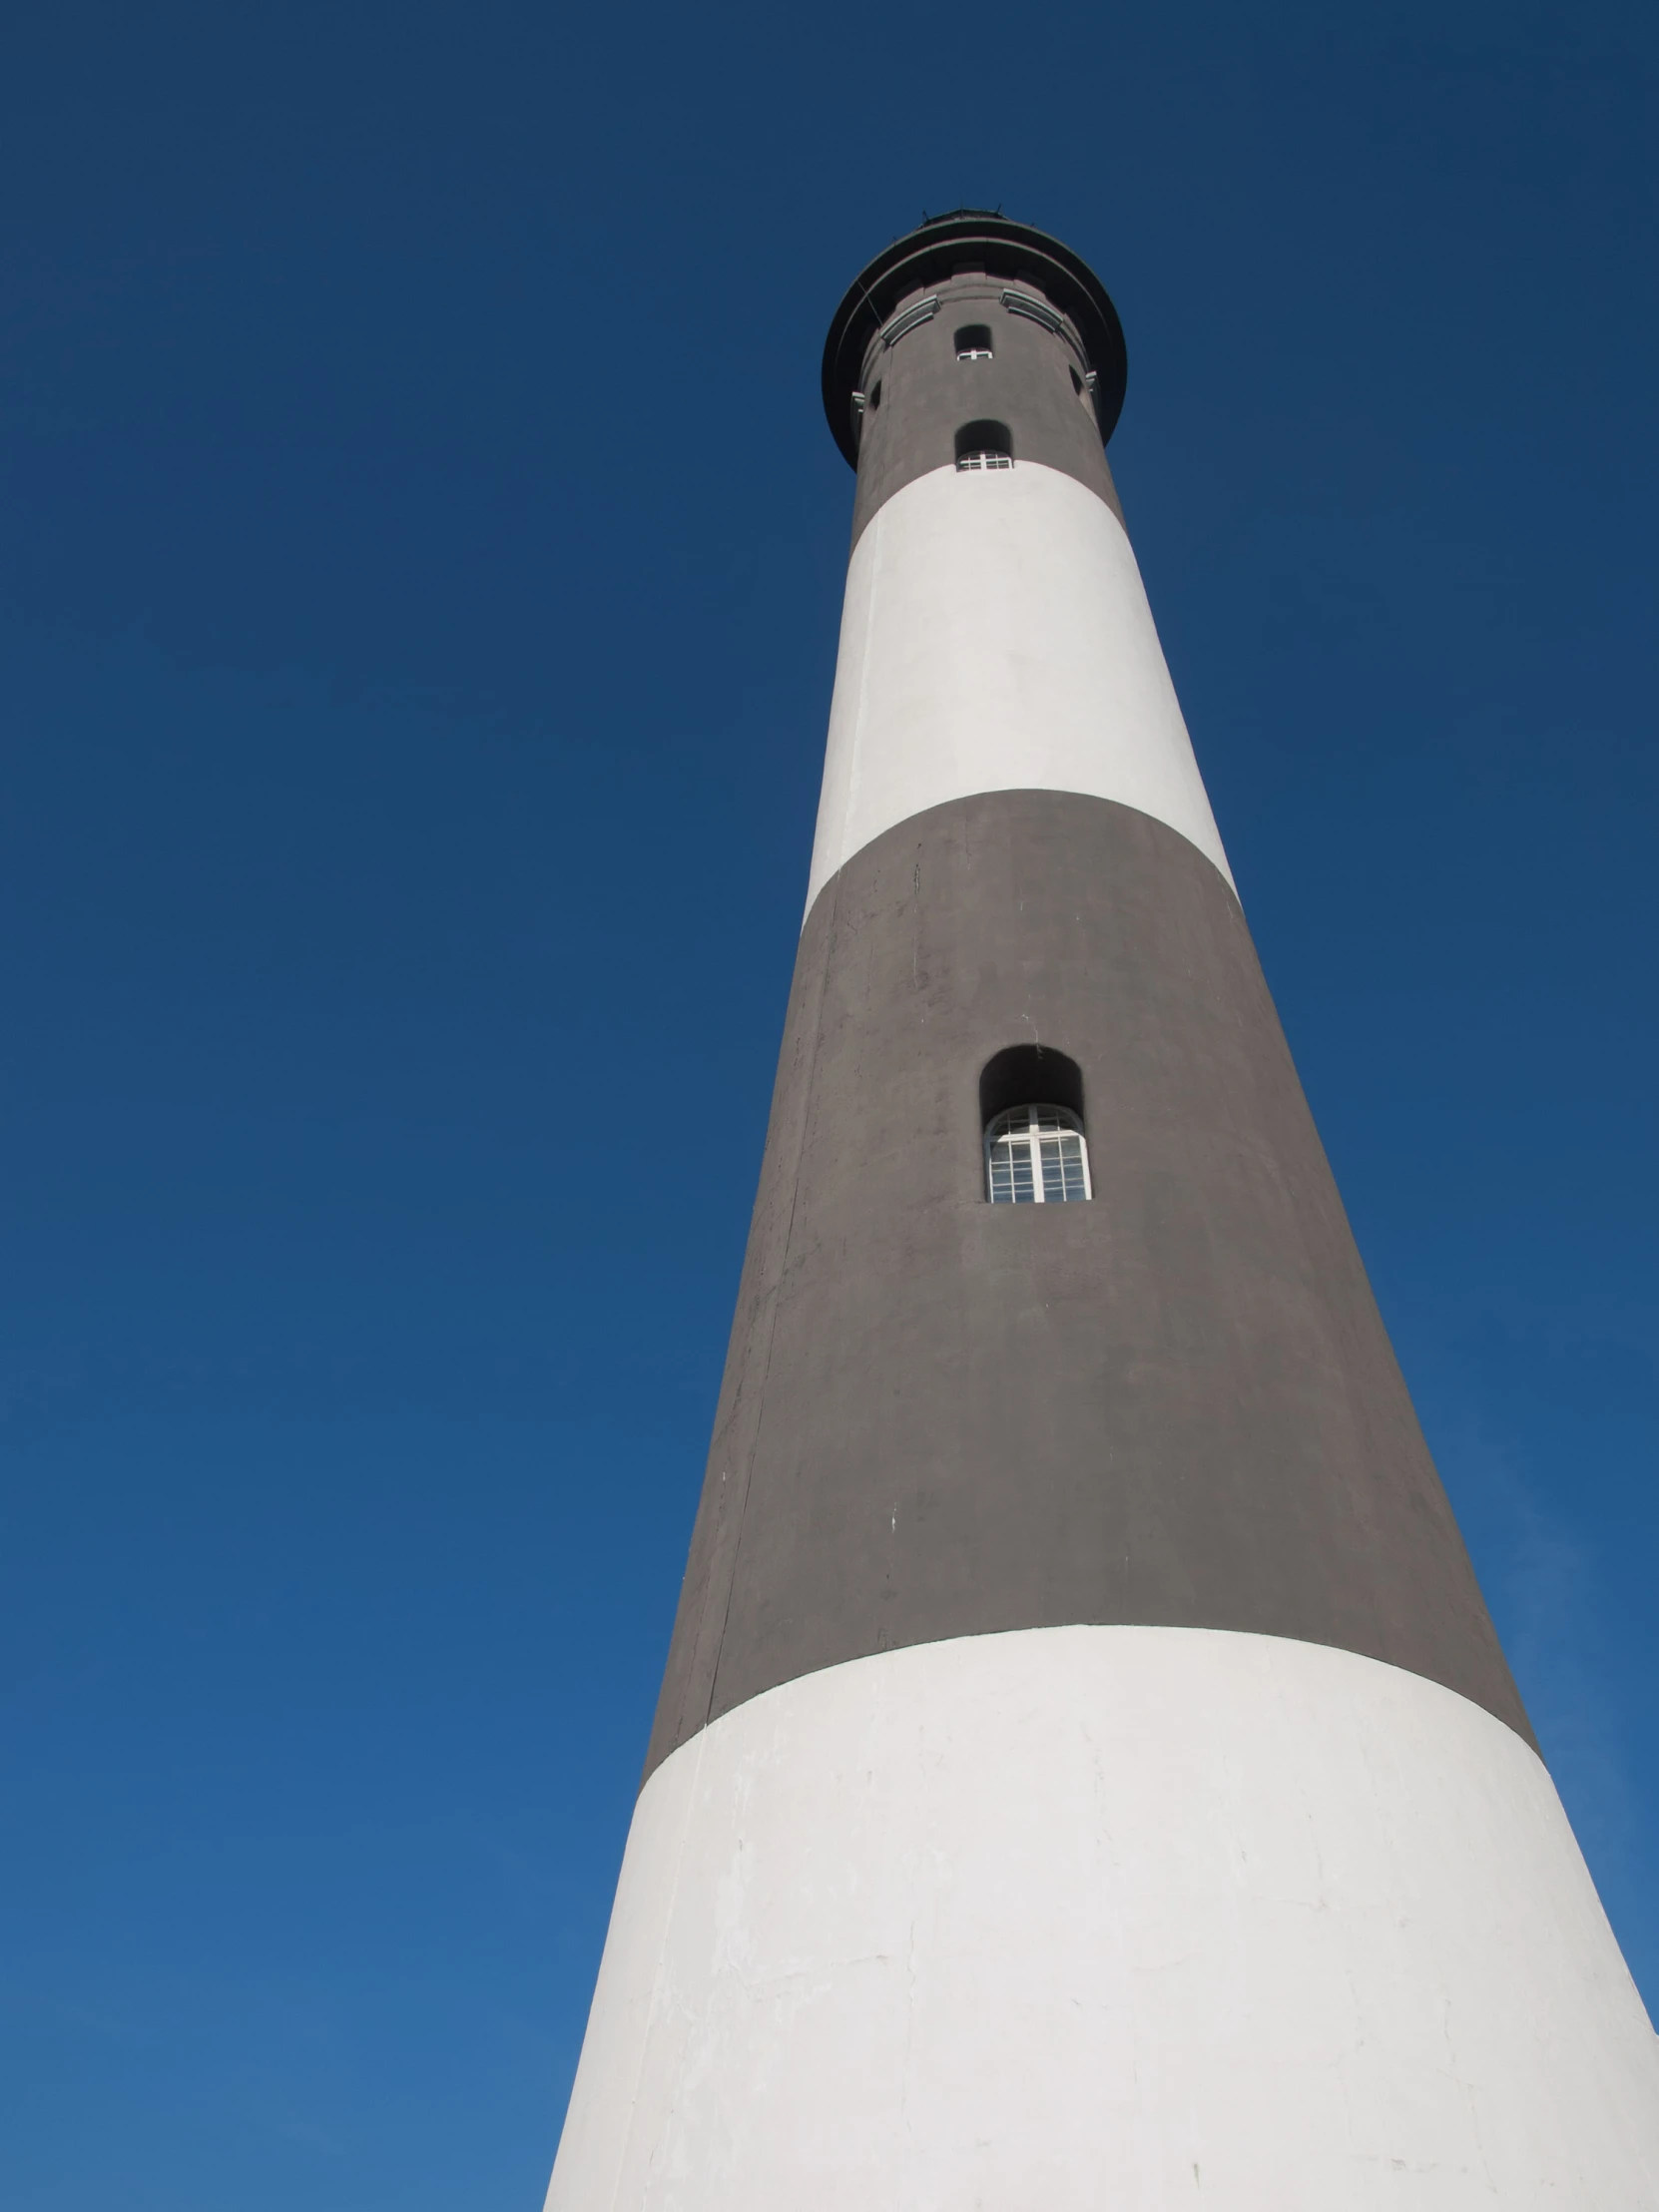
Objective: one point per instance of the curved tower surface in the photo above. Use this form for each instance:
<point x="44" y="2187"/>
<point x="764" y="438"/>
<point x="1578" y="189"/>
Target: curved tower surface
<point x="1086" y="1774"/>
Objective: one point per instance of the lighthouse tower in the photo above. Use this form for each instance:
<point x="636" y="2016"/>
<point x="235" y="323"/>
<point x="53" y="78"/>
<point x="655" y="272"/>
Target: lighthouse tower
<point x="1086" y="1776"/>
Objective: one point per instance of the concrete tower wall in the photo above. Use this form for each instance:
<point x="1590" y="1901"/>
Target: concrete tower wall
<point x="917" y="393"/>
<point x="1085" y="1772"/>
<point x="996" y="637"/>
<point x="1081" y="1918"/>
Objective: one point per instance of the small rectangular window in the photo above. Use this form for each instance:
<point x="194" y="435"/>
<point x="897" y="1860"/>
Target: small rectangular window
<point x="984" y="446"/>
<point x="1037" y="1156"/>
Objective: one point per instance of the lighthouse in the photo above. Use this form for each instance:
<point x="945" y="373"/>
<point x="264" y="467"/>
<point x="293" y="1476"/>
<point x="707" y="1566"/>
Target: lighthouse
<point x="1086" y="1776"/>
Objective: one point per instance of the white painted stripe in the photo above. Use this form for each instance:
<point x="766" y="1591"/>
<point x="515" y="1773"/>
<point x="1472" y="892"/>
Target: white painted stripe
<point x="996" y="637"/>
<point x="1087" y="1918"/>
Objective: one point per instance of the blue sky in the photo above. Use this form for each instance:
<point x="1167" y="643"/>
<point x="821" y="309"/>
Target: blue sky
<point x="421" y="570"/>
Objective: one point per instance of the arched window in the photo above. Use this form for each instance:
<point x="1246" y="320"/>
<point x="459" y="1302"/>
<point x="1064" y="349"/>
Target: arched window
<point x="984" y="446"/>
<point x="974" y="343"/>
<point x="1037" y="1156"/>
<point x="1036" y="1153"/>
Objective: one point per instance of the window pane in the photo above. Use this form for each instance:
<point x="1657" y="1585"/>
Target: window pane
<point x="1011" y="1179"/>
<point x="1011" y="1182"/>
<point x="1062" y="1170"/>
<point x="1035" y="1156"/>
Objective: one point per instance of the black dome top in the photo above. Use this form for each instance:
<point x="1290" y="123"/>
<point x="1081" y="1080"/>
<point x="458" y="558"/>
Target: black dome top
<point x="928" y="256"/>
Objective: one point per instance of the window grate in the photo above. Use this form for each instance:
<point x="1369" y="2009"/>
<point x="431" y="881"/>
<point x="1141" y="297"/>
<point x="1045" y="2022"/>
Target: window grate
<point x="984" y="461"/>
<point x="1037" y="1156"/>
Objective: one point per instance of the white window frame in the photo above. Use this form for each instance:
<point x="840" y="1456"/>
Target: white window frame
<point x="975" y="353"/>
<point x="986" y="460"/>
<point x="1061" y="1122"/>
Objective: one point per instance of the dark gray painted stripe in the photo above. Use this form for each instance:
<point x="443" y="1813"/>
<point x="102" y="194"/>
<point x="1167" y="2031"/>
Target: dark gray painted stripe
<point x="928" y="394"/>
<point x="1175" y="1405"/>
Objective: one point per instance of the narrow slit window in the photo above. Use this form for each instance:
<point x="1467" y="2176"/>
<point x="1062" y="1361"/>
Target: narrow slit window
<point x="1037" y="1156"/>
<point x="974" y="343"/>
